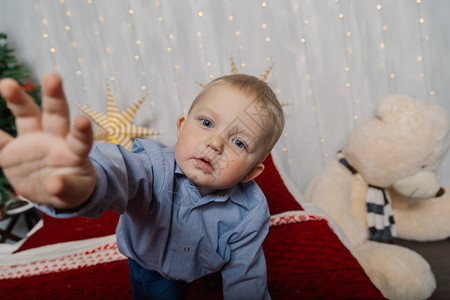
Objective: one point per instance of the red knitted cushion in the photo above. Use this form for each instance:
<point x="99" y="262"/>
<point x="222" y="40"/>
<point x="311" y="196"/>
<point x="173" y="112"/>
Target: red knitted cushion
<point x="278" y="196"/>
<point x="304" y="261"/>
<point x="74" y="229"/>
<point x="104" y="281"/>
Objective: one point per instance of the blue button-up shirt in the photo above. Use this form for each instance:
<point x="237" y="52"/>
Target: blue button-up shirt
<point x="167" y="226"/>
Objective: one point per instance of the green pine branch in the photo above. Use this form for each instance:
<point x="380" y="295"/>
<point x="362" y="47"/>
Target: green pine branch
<point x="12" y="68"/>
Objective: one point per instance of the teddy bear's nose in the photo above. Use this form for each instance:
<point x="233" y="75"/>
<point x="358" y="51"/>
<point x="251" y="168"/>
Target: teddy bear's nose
<point x="440" y="192"/>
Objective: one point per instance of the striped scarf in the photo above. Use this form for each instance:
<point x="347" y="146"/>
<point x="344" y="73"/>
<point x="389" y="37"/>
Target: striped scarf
<point x="380" y="219"/>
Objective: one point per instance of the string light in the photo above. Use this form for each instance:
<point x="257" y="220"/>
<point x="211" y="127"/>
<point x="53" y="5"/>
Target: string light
<point x="382" y="45"/>
<point x="421" y="59"/>
<point x="311" y="95"/>
<point x="348" y="58"/>
<point x="170" y="47"/>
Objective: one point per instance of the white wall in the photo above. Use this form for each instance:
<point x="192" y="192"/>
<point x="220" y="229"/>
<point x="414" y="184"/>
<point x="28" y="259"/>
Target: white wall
<point x="333" y="60"/>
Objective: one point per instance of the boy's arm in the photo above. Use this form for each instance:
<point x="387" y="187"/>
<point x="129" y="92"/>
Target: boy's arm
<point x="245" y="275"/>
<point x="48" y="160"/>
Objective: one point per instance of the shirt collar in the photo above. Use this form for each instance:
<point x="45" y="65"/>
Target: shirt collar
<point x="234" y="193"/>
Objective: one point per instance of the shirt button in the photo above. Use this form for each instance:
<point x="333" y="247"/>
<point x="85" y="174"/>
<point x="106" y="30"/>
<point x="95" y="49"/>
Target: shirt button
<point x="187" y="249"/>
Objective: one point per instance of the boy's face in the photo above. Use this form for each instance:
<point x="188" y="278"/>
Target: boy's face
<point x="221" y="142"/>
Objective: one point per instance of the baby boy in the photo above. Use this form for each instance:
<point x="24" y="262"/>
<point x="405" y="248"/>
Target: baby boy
<point x="187" y="210"/>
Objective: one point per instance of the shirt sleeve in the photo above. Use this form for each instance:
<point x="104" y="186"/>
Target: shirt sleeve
<point x="245" y="275"/>
<point x="123" y="179"/>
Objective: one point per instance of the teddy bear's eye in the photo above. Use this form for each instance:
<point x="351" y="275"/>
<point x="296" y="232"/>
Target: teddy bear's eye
<point x="423" y="166"/>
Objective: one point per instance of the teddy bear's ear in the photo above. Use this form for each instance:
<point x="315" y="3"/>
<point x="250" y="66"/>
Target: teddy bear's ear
<point x="393" y="106"/>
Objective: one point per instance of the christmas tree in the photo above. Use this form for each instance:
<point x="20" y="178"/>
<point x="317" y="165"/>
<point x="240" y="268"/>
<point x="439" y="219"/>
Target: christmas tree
<point x="10" y="67"/>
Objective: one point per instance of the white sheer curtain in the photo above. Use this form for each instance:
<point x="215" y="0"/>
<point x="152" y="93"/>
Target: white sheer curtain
<point x="333" y="60"/>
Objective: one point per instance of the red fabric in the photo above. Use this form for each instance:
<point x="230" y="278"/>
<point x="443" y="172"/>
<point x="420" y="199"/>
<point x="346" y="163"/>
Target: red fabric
<point x="74" y="229"/>
<point x="105" y="281"/>
<point x="278" y="196"/>
<point x="304" y="260"/>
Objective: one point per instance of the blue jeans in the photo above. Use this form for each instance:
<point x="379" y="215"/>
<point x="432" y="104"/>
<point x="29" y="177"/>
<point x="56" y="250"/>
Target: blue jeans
<point x="148" y="284"/>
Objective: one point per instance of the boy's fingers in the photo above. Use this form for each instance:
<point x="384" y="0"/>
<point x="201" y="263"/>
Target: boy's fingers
<point x="23" y="107"/>
<point x="56" y="117"/>
<point x="80" y="138"/>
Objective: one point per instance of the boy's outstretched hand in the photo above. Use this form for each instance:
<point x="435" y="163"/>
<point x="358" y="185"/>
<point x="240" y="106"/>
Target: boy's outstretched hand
<point x="48" y="161"/>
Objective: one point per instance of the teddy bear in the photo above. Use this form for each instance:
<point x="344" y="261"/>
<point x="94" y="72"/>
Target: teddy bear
<point x="383" y="185"/>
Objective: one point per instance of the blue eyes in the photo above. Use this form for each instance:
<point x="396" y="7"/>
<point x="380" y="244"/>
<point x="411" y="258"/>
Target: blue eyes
<point x="209" y="124"/>
<point x="239" y="143"/>
<point x="206" y="123"/>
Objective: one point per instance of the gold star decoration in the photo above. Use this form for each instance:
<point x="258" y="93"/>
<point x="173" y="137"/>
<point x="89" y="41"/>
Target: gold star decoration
<point x="115" y="126"/>
<point x="263" y="76"/>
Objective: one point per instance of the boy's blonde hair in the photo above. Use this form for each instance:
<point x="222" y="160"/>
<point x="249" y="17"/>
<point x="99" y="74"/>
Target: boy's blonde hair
<point x="251" y="85"/>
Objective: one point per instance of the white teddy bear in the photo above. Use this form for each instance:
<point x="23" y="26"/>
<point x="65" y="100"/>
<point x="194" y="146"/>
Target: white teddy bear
<point x="382" y="185"/>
